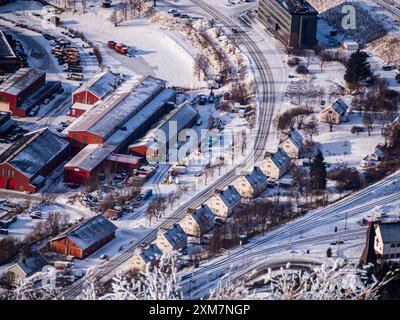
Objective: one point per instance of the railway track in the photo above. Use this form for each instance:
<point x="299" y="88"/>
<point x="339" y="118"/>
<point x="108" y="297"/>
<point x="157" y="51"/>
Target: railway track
<point x="266" y="95"/>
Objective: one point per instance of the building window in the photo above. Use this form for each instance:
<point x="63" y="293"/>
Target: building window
<point x="85" y="139"/>
<point x="74" y="136"/>
<point x="393" y="245"/>
<point x="95" y="139"/>
<point x="398" y="245"/>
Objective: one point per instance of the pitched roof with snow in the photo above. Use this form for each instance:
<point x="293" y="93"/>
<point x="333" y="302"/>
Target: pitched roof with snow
<point x="180" y="118"/>
<point x="175" y="236"/>
<point x="230" y="196"/>
<point x="21" y="80"/>
<point x="151" y="253"/>
<point x="296" y="138"/>
<point x="33" y="151"/>
<point x="125" y="102"/>
<point x="297" y="6"/>
<point x="101" y="84"/>
<point x="91" y="156"/>
<point x="339" y="106"/>
<point x="280" y="158"/>
<point x="256" y="178"/>
<point x="204" y="217"/>
<point x="32" y="264"/>
<point x="90" y="232"/>
<point x="390" y="232"/>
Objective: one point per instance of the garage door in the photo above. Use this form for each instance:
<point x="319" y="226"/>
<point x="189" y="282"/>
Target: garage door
<point x="4" y="106"/>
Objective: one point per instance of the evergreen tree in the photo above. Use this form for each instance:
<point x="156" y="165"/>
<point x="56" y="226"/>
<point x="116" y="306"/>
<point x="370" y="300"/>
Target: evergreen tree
<point x="318" y="172"/>
<point x="357" y="68"/>
<point x="329" y="252"/>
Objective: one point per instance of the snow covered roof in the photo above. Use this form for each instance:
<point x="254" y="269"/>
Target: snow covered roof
<point x="230" y="196"/>
<point x="339" y="106"/>
<point x="21" y="80"/>
<point x="178" y="118"/>
<point x="151" y="253"/>
<point x="256" y="178"/>
<point x="33" y="151"/>
<point x="91" y="156"/>
<point x="140" y="119"/>
<point x="280" y="158"/>
<point x="175" y="235"/>
<point x="31" y="265"/>
<point x="5" y="49"/>
<point x="390" y="232"/>
<point x="90" y="232"/>
<point x="123" y="158"/>
<point x="296" y="138"/>
<point x="204" y="217"/>
<point x="101" y="84"/>
<point x="297" y="6"/>
<point x="108" y="116"/>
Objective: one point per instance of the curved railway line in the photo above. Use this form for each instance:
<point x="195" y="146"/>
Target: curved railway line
<point x="266" y="96"/>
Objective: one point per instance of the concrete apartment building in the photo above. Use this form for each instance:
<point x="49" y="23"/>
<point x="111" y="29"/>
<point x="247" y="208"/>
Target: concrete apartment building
<point x="293" y="22"/>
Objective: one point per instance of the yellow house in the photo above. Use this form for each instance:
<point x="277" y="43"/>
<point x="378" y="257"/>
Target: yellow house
<point x="336" y="113"/>
<point x="174" y="239"/>
<point x="251" y="185"/>
<point x="141" y="258"/>
<point x="292" y="143"/>
<point x="275" y="165"/>
<point x="198" y="222"/>
<point x="223" y="203"/>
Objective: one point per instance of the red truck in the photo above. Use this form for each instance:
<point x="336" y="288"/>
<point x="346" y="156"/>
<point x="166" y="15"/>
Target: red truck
<point x="119" y="47"/>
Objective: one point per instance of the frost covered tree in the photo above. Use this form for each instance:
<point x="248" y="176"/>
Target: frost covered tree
<point x="340" y="281"/>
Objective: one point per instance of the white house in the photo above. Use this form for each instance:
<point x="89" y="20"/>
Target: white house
<point x="198" y="222"/>
<point x="251" y="185"/>
<point x="275" y="165"/>
<point x="336" y="113"/>
<point x="174" y="239"/>
<point x="387" y="240"/>
<point x="223" y="203"/>
<point x="292" y="143"/>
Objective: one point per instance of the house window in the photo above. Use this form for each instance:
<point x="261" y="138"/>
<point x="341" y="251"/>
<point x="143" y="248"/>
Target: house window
<point x="2" y="172"/>
<point x="385" y="256"/>
<point x="74" y="136"/>
<point x="85" y="139"/>
<point x="95" y="139"/>
<point x="393" y="245"/>
<point x="398" y="245"/>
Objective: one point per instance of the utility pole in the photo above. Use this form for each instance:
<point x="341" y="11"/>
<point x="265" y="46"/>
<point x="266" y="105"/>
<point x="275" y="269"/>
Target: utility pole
<point x="345" y="222"/>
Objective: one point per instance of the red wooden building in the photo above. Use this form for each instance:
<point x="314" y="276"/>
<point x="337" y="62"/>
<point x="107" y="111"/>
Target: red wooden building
<point x="18" y="88"/>
<point x="91" y="92"/>
<point x="84" y="239"/>
<point x="25" y="164"/>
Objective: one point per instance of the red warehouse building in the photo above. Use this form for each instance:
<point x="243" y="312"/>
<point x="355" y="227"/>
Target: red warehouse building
<point x="24" y="165"/>
<point x="24" y="90"/>
<point x="84" y="239"/>
<point x="93" y="91"/>
<point x="113" y="116"/>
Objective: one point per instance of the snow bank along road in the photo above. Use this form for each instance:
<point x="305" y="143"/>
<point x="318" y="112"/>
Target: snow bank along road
<point x="266" y="97"/>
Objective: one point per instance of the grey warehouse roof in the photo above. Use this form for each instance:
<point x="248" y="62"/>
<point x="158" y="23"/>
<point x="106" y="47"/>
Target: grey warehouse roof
<point x="20" y="80"/>
<point x="33" y="151"/>
<point x="105" y="118"/>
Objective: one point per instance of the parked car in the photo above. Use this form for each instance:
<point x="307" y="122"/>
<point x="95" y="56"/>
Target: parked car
<point x="202" y="99"/>
<point x="172" y="11"/>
